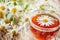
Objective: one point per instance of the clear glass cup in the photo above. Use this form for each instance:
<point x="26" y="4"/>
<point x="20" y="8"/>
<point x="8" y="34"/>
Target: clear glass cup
<point x="44" y="29"/>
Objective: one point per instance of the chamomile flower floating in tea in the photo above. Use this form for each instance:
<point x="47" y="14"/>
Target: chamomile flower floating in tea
<point x="45" y="20"/>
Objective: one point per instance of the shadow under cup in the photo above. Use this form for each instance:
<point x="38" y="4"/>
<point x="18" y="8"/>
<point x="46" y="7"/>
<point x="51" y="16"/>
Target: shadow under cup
<point x="44" y="32"/>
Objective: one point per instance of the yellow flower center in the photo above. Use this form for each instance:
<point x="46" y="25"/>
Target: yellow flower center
<point x="14" y="32"/>
<point x="2" y="27"/>
<point x="6" y="21"/>
<point x="45" y="20"/>
<point x="2" y="7"/>
<point x="1" y="14"/>
<point x="14" y="10"/>
<point x="14" y="0"/>
<point x="26" y="19"/>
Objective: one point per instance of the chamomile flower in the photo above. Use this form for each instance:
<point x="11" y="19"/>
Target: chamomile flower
<point x="4" y="25"/>
<point x="6" y="20"/>
<point x="14" y="12"/>
<point x="45" y="20"/>
<point x="14" y="31"/>
<point x="3" y="6"/>
<point x="15" y="9"/>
